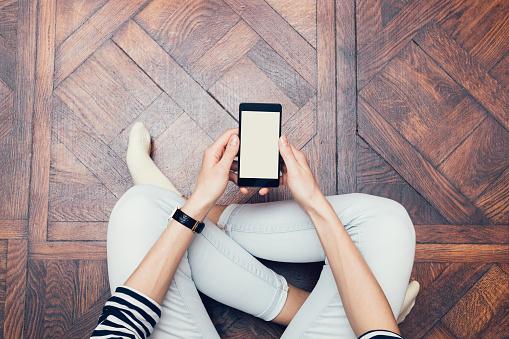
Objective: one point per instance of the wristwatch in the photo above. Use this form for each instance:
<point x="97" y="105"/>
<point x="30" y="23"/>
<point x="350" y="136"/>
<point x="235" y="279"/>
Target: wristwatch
<point x="187" y="221"/>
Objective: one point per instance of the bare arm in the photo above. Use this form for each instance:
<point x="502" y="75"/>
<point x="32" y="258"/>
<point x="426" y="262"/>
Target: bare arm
<point x="364" y="301"/>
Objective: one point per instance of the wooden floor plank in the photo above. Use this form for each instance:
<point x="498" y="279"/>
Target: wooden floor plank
<point x="126" y="74"/>
<point x="42" y="119"/>
<point x="326" y="115"/>
<point x="293" y="127"/>
<point x="499" y="323"/>
<point x="124" y="91"/>
<point x="346" y="101"/>
<point x="396" y="35"/>
<point x="369" y="20"/>
<point x="80" y="328"/>
<point x="246" y="82"/>
<point x="188" y="94"/>
<point x="482" y="29"/>
<point x="90" y="150"/>
<point x="462" y="234"/>
<point x="480" y="160"/>
<point x="13" y="229"/>
<point x="157" y="12"/>
<point x="75" y="193"/>
<point x="23" y="106"/>
<point x="427" y="273"/>
<point x="281" y="73"/>
<point x="462" y="253"/>
<point x="67" y="24"/>
<point x="414" y="168"/>
<point x="16" y="288"/>
<point x="157" y="118"/>
<point x="35" y="298"/>
<point x="279" y="35"/>
<point x="439" y="331"/>
<point x="436" y="300"/>
<point x="97" y="29"/>
<point x="6" y="106"/>
<point x="495" y="200"/>
<point x="77" y="231"/>
<point x="8" y="63"/>
<point x="91" y="285"/>
<point x="466" y="71"/>
<point x="3" y="287"/>
<point x="500" y="73"/>
<point x="489" y="296"/>
<point x="193" y="24"/>
<point x="423" y="103"/>
<point x="225" y="53"/>
<point x="376" y="177"/>
<point x="60" y="295"/>
<point x="300" y="15"/>
<point x="67" y="250"/>
<point x="8" y="28"/>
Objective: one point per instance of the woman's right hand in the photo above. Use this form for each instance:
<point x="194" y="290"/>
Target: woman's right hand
<point x="297" y="175"/>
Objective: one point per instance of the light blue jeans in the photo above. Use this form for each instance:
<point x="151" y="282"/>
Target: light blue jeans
<point x="220" y="261"/>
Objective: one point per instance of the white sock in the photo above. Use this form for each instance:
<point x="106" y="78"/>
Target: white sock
<point x="409" y="302"/>
<point x="142" y="168"/>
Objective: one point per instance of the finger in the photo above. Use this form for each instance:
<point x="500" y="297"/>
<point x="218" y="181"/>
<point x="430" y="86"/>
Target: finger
<point x="233" y="177"/>
<point x="217" y="147"/>
<point x="235" y="166"/>
<point x="284" y="169"/>
<point x="299" y="155"/>
<point x="232" y="148"/>
<point x="286" y="152"/>
<point x="264" y="191"/>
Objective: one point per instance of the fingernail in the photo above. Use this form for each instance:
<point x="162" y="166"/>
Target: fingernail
<point x="284" y="141"/>
<point x="234" y="140"/>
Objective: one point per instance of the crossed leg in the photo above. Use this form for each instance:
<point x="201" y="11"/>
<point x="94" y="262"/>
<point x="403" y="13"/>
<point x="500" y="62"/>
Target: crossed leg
<point x="144" y="171"/>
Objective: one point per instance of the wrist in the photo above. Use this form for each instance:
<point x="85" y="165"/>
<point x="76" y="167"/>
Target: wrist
<point x="318" y="207"/>
<point x="196" y="208"/>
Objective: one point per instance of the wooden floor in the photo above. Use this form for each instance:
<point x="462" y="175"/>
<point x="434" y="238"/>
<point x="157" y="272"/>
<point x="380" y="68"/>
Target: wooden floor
<point x="406" y="99"/>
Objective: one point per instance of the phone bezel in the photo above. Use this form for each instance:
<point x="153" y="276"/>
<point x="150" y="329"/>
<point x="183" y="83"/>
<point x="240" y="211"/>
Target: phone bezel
<point x="258" y="107"/>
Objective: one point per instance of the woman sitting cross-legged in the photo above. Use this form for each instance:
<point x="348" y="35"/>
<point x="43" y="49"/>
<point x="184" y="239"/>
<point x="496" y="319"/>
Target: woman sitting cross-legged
<point x="157" y="265"/>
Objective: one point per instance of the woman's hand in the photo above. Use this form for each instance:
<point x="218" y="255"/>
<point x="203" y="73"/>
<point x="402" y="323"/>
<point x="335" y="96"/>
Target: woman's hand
<point x="215" y="168"/>
<point x="297" y="175"/>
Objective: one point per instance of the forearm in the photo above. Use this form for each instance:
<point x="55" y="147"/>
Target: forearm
<point x="364" y="301"/>
<point x="155" y="273"/>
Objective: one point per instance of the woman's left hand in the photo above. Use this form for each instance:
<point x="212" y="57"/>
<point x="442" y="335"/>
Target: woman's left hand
<point x="215" y="168"/>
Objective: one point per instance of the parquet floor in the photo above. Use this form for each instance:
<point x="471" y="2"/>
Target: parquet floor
<point x="407" y="99"/>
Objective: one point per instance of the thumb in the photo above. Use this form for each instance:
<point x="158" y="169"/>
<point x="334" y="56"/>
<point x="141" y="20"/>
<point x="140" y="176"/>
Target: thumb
<point x="286" y="152"/>
<point x="232" y="148"/>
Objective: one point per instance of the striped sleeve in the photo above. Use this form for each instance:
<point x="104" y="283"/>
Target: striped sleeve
<point x="380" y="334"/>
<point x="127" y="314"/>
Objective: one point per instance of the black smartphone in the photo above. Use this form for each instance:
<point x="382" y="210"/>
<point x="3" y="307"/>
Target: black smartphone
<point x="259" y="132"/>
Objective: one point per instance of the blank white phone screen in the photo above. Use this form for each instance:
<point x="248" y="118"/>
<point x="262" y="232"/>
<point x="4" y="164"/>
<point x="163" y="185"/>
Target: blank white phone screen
<point x="259" y="151"/>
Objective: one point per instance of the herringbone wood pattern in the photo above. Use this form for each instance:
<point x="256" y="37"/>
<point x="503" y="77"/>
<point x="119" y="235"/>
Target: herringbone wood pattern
<point x="398" y="98"/>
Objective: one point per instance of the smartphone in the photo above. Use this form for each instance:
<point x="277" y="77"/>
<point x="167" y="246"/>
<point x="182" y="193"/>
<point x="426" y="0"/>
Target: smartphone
<point x="259" y="132"/>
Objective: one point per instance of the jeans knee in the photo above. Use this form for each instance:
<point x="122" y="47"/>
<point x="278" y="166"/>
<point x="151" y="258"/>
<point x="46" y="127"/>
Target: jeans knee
<point x="135" y="199"/>
<point x="396" y="223"/>
<point x="142" y="202"/>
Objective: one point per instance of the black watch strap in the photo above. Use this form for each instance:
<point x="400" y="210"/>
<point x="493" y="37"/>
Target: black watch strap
<point x="187" y="221"/>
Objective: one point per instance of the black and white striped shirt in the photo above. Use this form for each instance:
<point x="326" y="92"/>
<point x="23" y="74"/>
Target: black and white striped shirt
<point x="131" y="314"/>
<point x="127" y="314"/>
